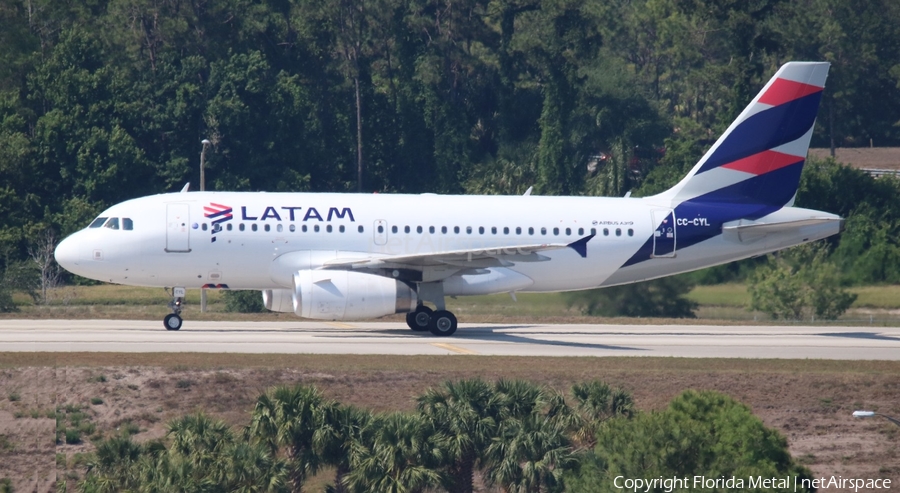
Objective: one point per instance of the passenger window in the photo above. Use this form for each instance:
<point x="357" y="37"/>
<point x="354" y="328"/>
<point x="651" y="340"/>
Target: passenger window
<point x="380" y="229"/>
<point x="292" y="228"/>
<point x="241" y="226"/>
<point x="127" y="224"/>
<point x="444" y="229"/>
<point x="228" y="227"/>
<point x="518" y="230"/>
<point x="618" y="231"/>
<point x="304" y="228"/>
<point x="506" y="230"/>
<point x="593" y="231"/>
<point x="555" y="231"/>
<point x="580" y="231"/>
<point x="97" y="222"/>
<point x="531" y="231"/>
<point x="341" y="228"/>
<point x="605" y="232"/>
<point x="406" y="229"/>
<point x="361" y="229"/>
<point x="393" y="229"/>
<point x="493" y="230"/>
<point x="543" y="231"/>
<point x="253" y="227"/>
<point x="279" y="228"/>
<point x="328" y="228"/>
<point x="419" y="229"/>
<point x="203" y="226"/>
<point x="431" y="229"/>
<point x="630" y="232"/>
<point x="113" y="223"/>
<point x="568" y="231"/>
<point x="456" y="229"/>
<point x="316" y="228"/>
<point x="468" y="229"/>
<point x="481" y="230"/>
<point x="267" y="227"/>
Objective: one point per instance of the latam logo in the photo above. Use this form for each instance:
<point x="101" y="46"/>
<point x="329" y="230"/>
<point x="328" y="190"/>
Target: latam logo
<point x="219" y="214"/>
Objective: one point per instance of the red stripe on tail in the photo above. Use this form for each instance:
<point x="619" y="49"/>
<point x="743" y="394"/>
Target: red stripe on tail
<point x="783" y="91"/>
<point x="763" y="162"/>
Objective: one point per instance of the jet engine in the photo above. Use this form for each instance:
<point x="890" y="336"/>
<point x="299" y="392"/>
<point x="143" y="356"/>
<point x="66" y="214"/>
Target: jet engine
<point x="347" y="295"/>
<point x="279" y="300"/>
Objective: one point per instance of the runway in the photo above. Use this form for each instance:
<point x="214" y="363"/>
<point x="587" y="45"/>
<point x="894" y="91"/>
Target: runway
<point x="688" y="341"/>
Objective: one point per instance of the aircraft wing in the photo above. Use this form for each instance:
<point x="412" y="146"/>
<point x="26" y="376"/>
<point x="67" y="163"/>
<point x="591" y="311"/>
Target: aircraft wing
<point x="467" y="258"/>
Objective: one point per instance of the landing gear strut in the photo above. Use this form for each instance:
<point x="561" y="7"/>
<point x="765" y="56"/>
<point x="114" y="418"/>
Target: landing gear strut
<point x="173" y="320"/>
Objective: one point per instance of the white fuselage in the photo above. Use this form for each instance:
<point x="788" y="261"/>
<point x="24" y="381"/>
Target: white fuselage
<point x="172" y="241"/>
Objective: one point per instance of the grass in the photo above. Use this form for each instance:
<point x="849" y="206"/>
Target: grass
<point x="736" y="295"/>
<point x="721" y="302"/>
<point x="512" y="366"/>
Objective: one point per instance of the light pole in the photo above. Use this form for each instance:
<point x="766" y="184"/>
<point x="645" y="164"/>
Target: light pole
<point x="870" y="414"/>
<point x="205" y="143"/>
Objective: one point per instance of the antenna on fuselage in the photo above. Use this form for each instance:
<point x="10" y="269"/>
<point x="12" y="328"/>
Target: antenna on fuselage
<point x="186" y="187"/>
<point x="528" y="192"/>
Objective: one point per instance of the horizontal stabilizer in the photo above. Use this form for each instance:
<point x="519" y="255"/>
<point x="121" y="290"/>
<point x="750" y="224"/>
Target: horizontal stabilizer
<point x="744" y="231"/>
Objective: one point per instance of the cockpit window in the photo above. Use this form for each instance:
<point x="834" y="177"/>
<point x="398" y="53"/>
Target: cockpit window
<point x="127" y="224"/>
<point x="98" y="222"/>
<point x="113" y="223"/>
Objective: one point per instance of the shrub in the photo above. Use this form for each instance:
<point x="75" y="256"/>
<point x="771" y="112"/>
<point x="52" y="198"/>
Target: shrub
<point x="243" y="301"/>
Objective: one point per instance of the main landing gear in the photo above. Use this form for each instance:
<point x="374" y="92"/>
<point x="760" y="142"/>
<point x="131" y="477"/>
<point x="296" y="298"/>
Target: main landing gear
<point x="173" y="320"/>
<point x="441" y="322"/>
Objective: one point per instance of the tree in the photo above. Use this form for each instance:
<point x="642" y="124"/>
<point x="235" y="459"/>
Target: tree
<point x="658" y="298"/>
<point x="799" y="283"/>
<point x="700" y="432"/>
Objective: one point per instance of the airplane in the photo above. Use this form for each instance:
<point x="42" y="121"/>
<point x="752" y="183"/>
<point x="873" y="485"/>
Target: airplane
<point x="337" y="256"/>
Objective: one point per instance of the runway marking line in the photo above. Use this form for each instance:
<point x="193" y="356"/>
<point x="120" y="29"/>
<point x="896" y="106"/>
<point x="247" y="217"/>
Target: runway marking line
<point x="455" y="349"/>
<point x="339" y="325"/>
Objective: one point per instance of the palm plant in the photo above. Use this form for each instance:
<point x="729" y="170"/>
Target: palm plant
<point x="532" y="447"/>
<point x="597" y="402"/>
<point x="286" y="419"/>
<point x="342" y="428"/>
<point x="113" y="467"/>
<point x="399" y="454"/>
<point x="466" y="415"/>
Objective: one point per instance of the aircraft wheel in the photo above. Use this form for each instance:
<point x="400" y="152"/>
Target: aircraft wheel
<point x="172" y="322"/>
<point x="442" y="323"/>
<point x="418" y="320"/>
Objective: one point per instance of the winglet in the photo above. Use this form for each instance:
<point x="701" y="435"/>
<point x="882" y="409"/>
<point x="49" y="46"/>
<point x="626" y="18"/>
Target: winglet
<point x="580" y="246"/>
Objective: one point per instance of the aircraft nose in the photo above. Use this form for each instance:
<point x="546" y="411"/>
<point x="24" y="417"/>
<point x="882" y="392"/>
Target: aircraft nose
<point x="67" y="253"/>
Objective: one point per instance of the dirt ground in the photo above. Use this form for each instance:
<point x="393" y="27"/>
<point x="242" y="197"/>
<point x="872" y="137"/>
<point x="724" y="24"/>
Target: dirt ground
<point x="810" y="402"/>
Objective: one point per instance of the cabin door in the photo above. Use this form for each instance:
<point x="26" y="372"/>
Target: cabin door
<point x="178" y="228"/>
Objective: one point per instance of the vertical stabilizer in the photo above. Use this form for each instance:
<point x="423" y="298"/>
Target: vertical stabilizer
<point x="758" y="160"/>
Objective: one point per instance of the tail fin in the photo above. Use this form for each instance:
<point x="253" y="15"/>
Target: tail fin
<point x="756" y="164"/>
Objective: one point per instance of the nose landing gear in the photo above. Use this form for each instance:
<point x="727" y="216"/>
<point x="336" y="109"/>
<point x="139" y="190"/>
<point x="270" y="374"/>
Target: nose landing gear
<point x="173" y="320"/>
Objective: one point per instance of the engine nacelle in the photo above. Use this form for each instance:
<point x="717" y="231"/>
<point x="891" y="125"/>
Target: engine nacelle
<point x="278" y="300"/>
<point x="347" y="295"/>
